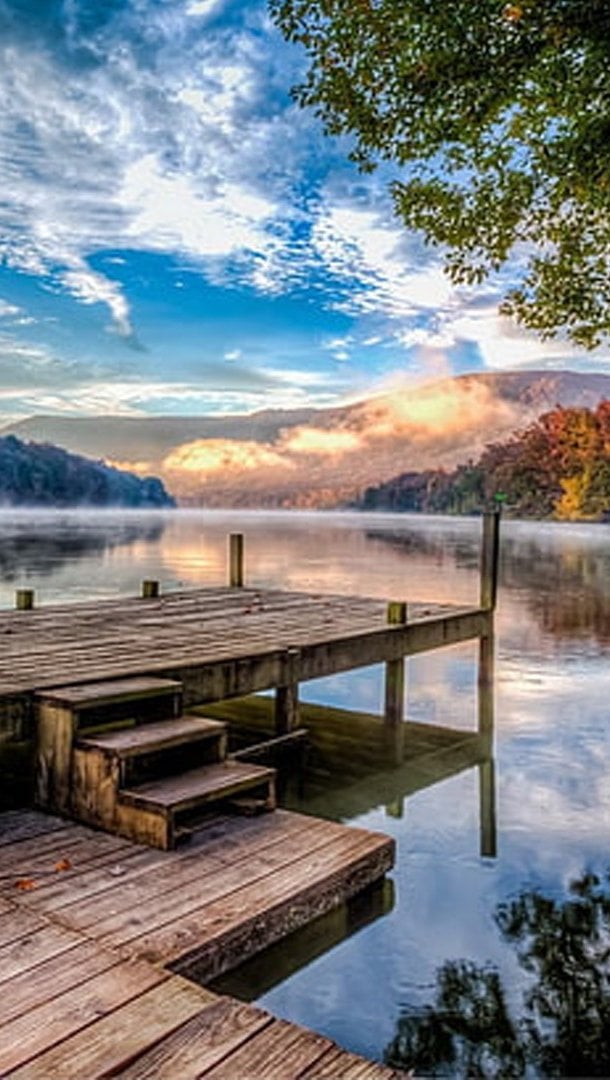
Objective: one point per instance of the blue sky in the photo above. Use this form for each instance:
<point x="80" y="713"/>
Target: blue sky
<point x="177" y="236"/>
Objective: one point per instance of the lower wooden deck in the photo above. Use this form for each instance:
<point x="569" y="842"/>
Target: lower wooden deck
<point x="90" y="926"/>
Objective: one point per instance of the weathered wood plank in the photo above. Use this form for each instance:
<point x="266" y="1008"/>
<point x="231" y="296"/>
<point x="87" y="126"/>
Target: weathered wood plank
<point x="279" y="1050"/>
<point x="108" y="1046"/>
<point x="210" y="939"/>
<point x="52" y="977"/>
<point x="31" y="950"/>
<point x="180" y="887"/>
<point x="198" y="1045"/>
<point x="56" y="1020"/>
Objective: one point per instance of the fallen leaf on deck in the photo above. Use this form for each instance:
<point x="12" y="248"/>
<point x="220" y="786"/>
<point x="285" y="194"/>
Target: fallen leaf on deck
<point x="25" y="884"/>
<point x="63" y="864"/>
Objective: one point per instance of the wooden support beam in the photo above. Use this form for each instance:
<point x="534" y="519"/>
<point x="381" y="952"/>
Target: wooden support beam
<point x="287" y="694"/>
<point x="490" y="553"/>
<point x="150" y="590"/>
<point x="24" y="599"/>
<point x="236" y="560"/>
<point x="395" y="671"/>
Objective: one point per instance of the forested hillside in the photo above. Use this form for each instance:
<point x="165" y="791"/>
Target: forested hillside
<point x="558" y="467"/>
<point x="39" y="474"/>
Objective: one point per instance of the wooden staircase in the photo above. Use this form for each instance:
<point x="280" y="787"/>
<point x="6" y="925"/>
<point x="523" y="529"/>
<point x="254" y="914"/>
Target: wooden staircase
<point x="120" y="755"/>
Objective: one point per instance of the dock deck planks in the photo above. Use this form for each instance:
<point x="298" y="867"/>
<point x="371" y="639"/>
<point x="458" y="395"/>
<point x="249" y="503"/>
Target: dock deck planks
<point x="182" y="633"/>
<point x="84" y="984"/>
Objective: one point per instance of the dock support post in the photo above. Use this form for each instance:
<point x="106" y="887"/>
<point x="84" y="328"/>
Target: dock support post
<point x="150" y="590"/>
<point x="487" y="768"/>
<point x="24" y="599"/>
<point x="287" y="695"/>
<point x="490" y="552"/>
<point x="236" y="560"/>
<point x="395" y="672"/>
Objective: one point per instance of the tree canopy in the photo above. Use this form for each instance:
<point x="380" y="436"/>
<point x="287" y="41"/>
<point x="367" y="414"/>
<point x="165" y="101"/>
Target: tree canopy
<point x="498" y="115"/>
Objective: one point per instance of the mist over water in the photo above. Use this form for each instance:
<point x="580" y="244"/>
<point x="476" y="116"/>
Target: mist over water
<point x="386" y="978"/>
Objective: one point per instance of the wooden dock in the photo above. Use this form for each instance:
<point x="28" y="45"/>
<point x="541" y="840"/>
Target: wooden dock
<point x="97" y="933"/>
<point x="94" y="929"/>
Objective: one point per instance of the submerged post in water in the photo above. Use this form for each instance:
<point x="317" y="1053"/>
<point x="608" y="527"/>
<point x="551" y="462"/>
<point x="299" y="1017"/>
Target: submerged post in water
<point x="236" y="560"/>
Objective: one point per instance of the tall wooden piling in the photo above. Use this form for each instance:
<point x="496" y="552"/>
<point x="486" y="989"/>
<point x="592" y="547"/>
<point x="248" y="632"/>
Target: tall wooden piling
<point x="490" y="556"/>
<point x="395" y="671"/>
<point x="236" y="560"/>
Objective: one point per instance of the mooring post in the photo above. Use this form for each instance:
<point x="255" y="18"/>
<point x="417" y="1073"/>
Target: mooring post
<point x="490" y="555"/>
<point x="395" y="671"/>
<point x="150" y="590"/>
<point x="24" y="599"/>
<point x="287" y="694"/>
<point x="236" y="560"/>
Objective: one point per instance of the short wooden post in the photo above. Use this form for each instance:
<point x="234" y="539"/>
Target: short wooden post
<point x="287" y="695"/>
<point x="236" y="560"/>
<point x="490" y="554"/>
<point x="24" y="599"/>
<point x="150" y="590"/>
<point x="395" y="671"/>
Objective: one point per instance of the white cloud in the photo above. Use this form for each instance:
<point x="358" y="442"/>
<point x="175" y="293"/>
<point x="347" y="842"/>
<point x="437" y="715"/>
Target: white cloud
<point x="8" y="311"/>
<point x="202" y="7"/>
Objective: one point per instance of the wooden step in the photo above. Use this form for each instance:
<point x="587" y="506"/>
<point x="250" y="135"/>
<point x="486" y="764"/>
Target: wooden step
<point x="193" y="789"/>
<point x="154" y="737"/>
<point x="108" y="704"/>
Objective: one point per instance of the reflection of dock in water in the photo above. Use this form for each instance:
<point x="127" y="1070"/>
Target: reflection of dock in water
<point x="356" y="762"/>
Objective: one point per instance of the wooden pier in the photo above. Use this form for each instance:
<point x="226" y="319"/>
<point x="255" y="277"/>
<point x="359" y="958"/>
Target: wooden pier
<point x="92" y="923"/>
<point x="94" y="929"/>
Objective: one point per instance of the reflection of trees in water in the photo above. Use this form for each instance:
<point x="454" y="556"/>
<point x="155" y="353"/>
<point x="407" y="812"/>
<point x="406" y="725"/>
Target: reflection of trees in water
<point x="564" y="1029"/>
<point x="566" y="588"/>
<point x="41" y="547"/>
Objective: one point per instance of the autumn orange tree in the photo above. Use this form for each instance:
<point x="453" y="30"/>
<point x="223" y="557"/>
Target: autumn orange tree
<point x="498" y="117"/>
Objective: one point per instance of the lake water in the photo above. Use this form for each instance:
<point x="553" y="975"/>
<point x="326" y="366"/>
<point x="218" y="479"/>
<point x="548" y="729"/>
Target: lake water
<point x="467" y="962"/>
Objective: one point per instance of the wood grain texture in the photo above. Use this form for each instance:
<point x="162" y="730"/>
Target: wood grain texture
<point x="72" y="1006"/>
<point x="208" y="628"/>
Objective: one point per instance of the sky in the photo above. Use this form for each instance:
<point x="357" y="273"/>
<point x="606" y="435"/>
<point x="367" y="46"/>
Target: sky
<point x="177" y="236"/>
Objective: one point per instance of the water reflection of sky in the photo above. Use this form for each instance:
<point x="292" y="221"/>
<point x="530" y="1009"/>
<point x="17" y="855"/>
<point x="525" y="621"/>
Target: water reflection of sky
<point x="552" y="731"/>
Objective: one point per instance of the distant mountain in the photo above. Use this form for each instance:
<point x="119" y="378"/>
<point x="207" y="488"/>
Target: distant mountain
<point x="321" y="457"/>
<point x="33" y="474"/>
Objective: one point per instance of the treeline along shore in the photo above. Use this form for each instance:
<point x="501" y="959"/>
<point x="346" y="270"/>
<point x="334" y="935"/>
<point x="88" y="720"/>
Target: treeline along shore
<point x="558" y="467"/>
<point x="40" y="474"/>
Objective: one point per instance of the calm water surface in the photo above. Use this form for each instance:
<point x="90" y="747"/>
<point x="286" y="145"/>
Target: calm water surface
<point x="467" y="963"/>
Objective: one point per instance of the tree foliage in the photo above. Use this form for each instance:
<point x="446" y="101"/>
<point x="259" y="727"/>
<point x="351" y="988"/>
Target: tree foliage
<point x="499" y="116"/>
<point x="558" y="467"/>
<point x="36" y="474"/>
